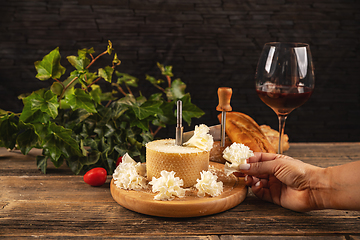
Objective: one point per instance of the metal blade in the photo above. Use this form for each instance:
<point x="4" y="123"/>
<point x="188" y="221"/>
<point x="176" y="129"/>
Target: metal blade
<point x="215" y="131"/>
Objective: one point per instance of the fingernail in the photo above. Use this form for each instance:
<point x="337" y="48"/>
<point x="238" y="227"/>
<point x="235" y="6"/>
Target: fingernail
<point x="246" y="178"/>
<point x="257" y="184"/>
<point x="244" y="166"/>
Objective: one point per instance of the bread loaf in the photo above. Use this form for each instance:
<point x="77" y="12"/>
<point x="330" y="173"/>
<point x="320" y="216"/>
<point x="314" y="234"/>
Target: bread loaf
<point x="243" y="129"/>
<point x="273" y="137"/>
<point x="216" y="153"/>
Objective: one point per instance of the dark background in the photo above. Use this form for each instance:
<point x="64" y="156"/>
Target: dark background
<point x="209" y="43"/>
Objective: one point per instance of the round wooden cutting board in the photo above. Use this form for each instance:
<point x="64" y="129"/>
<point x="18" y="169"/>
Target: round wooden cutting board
<point x="191" y="205"/>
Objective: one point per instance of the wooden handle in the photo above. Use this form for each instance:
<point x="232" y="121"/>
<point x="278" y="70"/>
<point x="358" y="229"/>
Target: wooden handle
<point x="224" y="94"/>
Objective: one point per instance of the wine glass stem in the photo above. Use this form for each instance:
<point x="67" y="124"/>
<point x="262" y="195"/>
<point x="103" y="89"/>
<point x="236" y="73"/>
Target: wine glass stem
<point x="282" y="119"/>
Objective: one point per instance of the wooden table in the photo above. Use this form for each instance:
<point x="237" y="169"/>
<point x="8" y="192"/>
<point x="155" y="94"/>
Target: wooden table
<point x="60" y="205"/>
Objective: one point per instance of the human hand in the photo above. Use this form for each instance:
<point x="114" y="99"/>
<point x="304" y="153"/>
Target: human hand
<point x="282" y="180"/>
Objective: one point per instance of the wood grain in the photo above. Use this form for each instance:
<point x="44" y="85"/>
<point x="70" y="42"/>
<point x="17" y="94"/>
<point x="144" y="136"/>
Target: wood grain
<point x="61" y="205"/>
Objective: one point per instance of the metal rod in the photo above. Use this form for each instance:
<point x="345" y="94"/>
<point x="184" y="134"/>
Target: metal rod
<point x="179" y="127"/>
<point x="223" y="122"/>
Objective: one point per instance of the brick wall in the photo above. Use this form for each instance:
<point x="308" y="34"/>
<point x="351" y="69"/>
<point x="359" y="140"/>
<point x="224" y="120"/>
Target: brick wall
<point x="209" y="43"/>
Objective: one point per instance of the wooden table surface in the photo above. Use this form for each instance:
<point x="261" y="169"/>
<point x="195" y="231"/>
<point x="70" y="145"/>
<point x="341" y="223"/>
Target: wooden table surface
<point x="60" y="205"/>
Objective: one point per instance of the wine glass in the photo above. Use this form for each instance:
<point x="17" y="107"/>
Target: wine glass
<point x="284" y="79"/>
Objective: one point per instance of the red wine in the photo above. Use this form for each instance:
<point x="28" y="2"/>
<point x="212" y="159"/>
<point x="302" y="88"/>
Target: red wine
<point x="284" y="99"/>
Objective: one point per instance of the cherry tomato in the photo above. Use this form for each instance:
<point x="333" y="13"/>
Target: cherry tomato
<point x="119" y="160"/>
<point x="95" y="177"/>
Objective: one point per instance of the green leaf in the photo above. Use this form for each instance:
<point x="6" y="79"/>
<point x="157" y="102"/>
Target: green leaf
<point x="106" y="73"/>
<point x="58" y="162"/>
<point x="143" y="124"/>
<point x="104" y="148"/>
<point x="3" y="112"/>
<point x="28" y="110"/>
<point x="96" y="93"/>
<point x="118" y="108"/>
<point x="91" y="158"/>
<point x="47" y="103"/>
<point x="121" y="149"/>
<point x="60" y="142"/>
<point x="116" y="61"/>
<point x="109" y="130"/>
<point x="109" y="47"/>
<point x="57" y="88"/>
<point x="42" y="130"/>
<point x="75" y="118"/>
<point x="80" y="63"/>
<point x="77" y="163"/>
<point x="190" y="110"/>
<point x="50" y="104"/>
<point x="167" y="115"/>
<point x="28" y="139"/>
<point x="49" y="66"/>
<point x="140" y="100"/>
<point x="89" y="77"/>
<point x="74" y="164"/>
<point x="165" y="70"/>
<point x="80" y="99"/>
<point x="147" y="137"/>
<point x="135" y="146"/>
<point x="156" y="97"/>
<point x="177" y="90"/>
<point x="148" y="108"/>
<point x="128" y="100"/>
<point x="34" y="116"/>
<point x="153" y="80"/>
<point x="98" y="96"/>
<point x="127" y="79"/>
<point x="72" y="80"/>
<point x="83" y="52"/>
<point x="41" y="163"/>
<point x="8" y="131"/>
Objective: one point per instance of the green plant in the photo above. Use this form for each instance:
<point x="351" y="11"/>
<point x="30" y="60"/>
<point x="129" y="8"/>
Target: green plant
<point x="75" y="122"/>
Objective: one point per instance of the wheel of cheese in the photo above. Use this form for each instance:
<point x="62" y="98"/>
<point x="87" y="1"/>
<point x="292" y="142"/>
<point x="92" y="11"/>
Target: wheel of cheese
<point x="186" y="162"/>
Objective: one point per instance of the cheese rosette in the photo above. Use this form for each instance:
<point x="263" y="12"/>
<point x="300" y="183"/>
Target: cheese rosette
<point x="236" y="153"/>
<point x="201" y="138"/>
<point x="208" y="185"/>
<point x="129" y="174"/>
<point x="168" y="186"/>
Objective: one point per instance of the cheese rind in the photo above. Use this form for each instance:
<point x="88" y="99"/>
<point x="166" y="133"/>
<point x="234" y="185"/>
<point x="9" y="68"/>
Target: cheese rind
<point x="186" y="162"/>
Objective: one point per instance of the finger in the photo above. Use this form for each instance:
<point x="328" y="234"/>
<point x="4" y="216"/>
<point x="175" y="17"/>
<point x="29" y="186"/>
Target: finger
<point x="258" y="169"/>
<point x="255" y="179"/>
<point x="239" y="174"/>
<point x="261" y="157"/>
<point x="264" y="183"/>
<point x="261" y="192"/>
<point x="248" y="180"/>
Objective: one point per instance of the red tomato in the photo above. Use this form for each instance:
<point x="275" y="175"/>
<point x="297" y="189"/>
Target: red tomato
<point x="95" y="177"/>
<point x="119" y="160"/>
